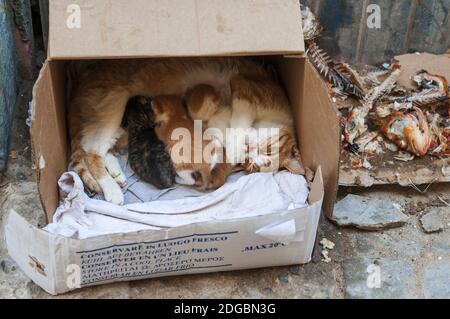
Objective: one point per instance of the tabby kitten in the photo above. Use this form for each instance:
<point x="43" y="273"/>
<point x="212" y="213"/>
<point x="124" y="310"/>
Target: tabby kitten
<point x="147" y="154"/>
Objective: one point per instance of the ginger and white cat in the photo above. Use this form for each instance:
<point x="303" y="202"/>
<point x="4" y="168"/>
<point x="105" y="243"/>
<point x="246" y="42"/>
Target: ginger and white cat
<point x="260" y="111"/>
<point x="104" y="88"/>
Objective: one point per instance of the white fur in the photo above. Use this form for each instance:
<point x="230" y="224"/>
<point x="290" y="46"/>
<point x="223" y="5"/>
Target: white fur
<point x="185" y="178"/>
<point x="215" y="157"/>
<point x="243" y="115"/>
<point x="113" y="166"/>
<point x="236" y="146"/>
<point x="242" y="118"/>
<point x="100" y="141"/>
<point x="111" y="190"/>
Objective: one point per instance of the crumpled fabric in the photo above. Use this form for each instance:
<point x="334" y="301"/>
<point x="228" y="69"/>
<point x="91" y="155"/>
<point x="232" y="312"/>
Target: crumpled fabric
<point x="80" y="216"/>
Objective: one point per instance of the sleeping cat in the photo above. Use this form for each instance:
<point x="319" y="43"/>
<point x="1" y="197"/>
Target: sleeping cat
<point x="259" y="108"/>
<point x="147" y="154"/>
<point x="104" y="87"/>
<point x="176" y="130"/>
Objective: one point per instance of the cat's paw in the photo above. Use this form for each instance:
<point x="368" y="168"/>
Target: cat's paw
<point x="113" y="166"/>
<point x="237" y="148"/>
<point x="89" y="182"/>
<point x="262" y="160"/>
<point x="111" y="190"/>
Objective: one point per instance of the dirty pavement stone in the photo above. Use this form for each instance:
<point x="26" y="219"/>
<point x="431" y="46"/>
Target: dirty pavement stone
<point x="407" y="242"/>
<point x="368" y="214"/>
<point x="433" y="221"/>
<point x="441" y="241"/>
<point x="383" y="278"/>
<point x="7" y="266"/>
<point x="437" y="279"/>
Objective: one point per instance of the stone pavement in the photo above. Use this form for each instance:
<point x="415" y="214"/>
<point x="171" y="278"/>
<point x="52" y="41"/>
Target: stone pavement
<point x="403" y="262"/>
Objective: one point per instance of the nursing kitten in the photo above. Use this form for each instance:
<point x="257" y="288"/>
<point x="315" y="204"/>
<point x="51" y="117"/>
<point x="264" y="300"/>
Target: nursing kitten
<point x="196" y="164"/>
<point x="103" y="89"/>
<point x="147" y="154"/>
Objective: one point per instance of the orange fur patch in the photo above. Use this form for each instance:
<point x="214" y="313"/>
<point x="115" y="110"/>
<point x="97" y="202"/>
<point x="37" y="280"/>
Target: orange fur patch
<point x="170" y="115"/>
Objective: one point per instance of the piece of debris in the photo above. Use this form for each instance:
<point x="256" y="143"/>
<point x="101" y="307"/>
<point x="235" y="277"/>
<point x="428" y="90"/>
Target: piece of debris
<point x="284" y="277"/>
<point x="345" y="80"/>
<point x="7" y="266"/>
<point x="295" y="270"/>
<point x="410" y="131"/>
<point x="391" y="147"/>
<point x="367" y="165"/>
<point x="432" y="222"/>
<point x="404" y="157"/>
<point x="415" y="209"/>
<point x="368" y="213"/>
<point x="327" y="244"/>
<point x="326" y="258"/>
<point x="311" y="27"/>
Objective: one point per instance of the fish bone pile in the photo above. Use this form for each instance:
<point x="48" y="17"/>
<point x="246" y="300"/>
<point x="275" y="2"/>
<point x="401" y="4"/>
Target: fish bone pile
<point x="377" y="114"/>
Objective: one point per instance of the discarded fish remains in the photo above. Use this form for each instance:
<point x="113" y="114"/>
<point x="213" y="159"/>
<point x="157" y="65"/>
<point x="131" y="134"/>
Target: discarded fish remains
<point x="379" y="115"/>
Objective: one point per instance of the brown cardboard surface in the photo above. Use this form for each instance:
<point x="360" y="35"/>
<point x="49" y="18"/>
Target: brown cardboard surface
<point x="317" y="123"/>
<point x="48" y="133"/>
<point x="317" y="190"/>
<point x="412" y="63"/>
<point x="140" y="28"/>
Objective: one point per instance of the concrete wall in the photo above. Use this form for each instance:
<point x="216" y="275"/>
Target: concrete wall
<point x="406" y="26"/>
<point x="23" y="33"/>
<point x="8" y="78"/>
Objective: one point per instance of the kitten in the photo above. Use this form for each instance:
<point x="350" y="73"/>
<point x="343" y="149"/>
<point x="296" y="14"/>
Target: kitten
<point x="103" y="89"/>
<point x="189" y="159"/>
<point x="147" y="154"/>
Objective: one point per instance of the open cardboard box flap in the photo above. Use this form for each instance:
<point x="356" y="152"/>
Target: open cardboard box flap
<point x="81" y="29"/>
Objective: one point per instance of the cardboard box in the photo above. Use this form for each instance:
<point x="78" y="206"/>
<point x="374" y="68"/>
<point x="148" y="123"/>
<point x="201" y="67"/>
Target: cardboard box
<point x="156" y="28"/>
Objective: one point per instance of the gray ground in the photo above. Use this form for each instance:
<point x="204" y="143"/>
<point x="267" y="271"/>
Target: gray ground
<point x="412" y="264"/>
